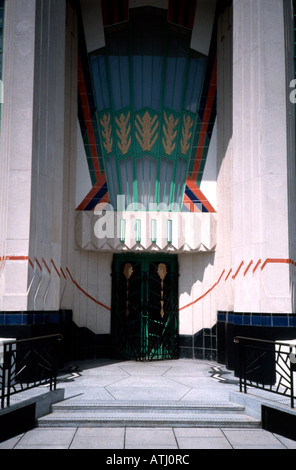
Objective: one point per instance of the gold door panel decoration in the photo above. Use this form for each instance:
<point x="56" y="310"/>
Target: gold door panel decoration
<point x="107" y="132"/>
<point x="186" y="134"/>
<point x="146" y="135"/>
<point x="127" y="271"/>
<point x="170" y="134"/>
<point x="123" y="133"/>
<point x="162" y="272"/>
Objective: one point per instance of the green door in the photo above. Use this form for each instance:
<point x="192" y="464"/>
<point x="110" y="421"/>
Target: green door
<point x="145" y="307"/>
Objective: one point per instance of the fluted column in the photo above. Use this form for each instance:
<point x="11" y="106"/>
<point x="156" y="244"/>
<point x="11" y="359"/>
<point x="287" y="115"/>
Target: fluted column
<point x="260" y="227"/>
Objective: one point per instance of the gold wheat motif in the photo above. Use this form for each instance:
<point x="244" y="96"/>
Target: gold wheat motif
<point x="127" y="271"/>
<point x="146" y="131"/>
<point x="162" y="272"/>
<point x="186" y="134"/>
<point x="170" y="133"/>
<point x="123" y="133"/>
<point x="107" y="133"/>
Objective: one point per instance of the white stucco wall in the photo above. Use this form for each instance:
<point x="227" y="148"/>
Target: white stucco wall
<point x="16" y="151"/>
<point x="32" y="154"/>
<point x="46" y="216"/>
<point x="260" y="225"/>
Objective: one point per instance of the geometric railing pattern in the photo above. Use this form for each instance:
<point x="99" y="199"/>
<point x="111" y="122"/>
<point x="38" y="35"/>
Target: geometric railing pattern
<point x="27" y="364"/>
<point x="267" y="365"/>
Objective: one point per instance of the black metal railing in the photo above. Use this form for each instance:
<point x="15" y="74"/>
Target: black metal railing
<point x="28" y="363"/>
<point x="266" y="365"/>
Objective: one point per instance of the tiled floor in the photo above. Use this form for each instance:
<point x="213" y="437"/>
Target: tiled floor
<point x="148" y="438"/>
<point x="181" y="380"/>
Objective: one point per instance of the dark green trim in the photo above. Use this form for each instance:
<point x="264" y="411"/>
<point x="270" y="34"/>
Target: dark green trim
<point x="168" y="188"/>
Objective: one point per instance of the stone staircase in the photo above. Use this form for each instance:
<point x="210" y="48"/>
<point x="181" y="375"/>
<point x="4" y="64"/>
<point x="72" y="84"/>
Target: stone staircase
<point x="147" y="414"/>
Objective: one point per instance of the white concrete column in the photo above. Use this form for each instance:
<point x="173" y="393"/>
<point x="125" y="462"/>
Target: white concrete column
<point x="46" y="217"/>
<point x="70" y="256"/>
<point x="260" y="160"/>
<point x="16" y="150"/>
<point x="223" y="294"/>
<point x="32" y="150"/>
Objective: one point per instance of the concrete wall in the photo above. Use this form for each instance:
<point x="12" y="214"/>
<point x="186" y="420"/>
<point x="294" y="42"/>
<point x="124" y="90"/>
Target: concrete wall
<point x="223" y="258"/>
<point x="16" y="151"/>
<point x="260" y="224"/>
<point x="46" y="216"/>
<point x="255" y="162"/>
<point x="32" y="154"/>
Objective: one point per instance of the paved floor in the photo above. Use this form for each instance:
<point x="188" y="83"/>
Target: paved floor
<point x="148" y="438"/>
<point x="181" y="380"/>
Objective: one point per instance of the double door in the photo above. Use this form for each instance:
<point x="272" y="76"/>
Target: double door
<point x="145" y="307"/>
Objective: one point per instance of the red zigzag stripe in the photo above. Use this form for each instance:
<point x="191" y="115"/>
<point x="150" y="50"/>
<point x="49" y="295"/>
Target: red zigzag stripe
<point x="266" y="262"/>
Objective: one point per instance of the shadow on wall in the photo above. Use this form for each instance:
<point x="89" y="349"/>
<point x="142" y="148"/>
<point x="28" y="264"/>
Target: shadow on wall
<point x="224" y="81"/>
<point x="192" y="270"/>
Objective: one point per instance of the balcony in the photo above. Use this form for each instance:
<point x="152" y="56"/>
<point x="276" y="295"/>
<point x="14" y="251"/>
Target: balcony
<point x="154" y="232"/>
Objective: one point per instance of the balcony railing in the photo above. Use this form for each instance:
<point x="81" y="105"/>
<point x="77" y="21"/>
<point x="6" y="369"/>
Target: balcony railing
<point x="28" y="363"/>
<point x="267" y="365"/>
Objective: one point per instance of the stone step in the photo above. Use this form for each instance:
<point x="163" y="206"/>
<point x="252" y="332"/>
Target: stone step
<point x="91" y="419"/>
<point x="122" y="414"/>
<point x="148" y="407"/>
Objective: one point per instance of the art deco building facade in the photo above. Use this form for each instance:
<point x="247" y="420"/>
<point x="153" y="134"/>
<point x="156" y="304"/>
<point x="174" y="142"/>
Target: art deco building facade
<point x="148" y="174"/>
